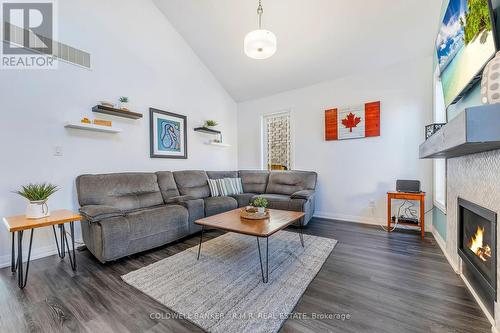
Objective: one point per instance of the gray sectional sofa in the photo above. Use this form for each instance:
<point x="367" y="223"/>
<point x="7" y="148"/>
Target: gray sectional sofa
<point x="126" y="213"/>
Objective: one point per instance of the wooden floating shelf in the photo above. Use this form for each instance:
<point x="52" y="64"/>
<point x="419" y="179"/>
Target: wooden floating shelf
<point x="475" y="130"/>
<point x="92" y="127"/>
<point x="206" y="130"/>
<point x="116" y="112"/>
<point x="220" y="144"/>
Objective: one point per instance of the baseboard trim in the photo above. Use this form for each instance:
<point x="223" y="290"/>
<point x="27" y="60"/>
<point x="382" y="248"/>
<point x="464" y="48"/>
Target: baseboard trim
<point x="442" y="244"/>
<point x="351" y="218"/>
<point x="380" y="221"/>
<point x="38" y="253"/>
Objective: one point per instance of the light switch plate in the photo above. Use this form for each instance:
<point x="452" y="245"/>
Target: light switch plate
<point x="58" y="151"/>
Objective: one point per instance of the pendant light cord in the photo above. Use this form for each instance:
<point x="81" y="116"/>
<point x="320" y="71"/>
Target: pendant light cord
<point x="260" y="10"/>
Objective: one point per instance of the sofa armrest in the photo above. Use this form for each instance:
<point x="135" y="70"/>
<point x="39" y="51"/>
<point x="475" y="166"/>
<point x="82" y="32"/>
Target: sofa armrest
<point x="96" y="213"/>
<point x="192" y="204"/>
<point x="196" y="210"/>
<point x="179" y="199"/>
<point x="304" y="194"/>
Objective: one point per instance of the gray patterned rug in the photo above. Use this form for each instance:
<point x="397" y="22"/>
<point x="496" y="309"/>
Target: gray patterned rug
<point x="223" y="291"/>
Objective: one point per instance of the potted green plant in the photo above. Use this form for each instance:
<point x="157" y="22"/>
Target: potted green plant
<point x="37" y="194"/>
<point x="124" y="102"/>
<point x="211" y="123"/>
<point x="261" y="204"/>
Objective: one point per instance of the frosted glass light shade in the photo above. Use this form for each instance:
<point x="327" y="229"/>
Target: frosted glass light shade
<point x="260" y="44"/>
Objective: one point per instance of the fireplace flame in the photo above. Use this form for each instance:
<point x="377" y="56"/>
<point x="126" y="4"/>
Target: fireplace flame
<point x="483" y="251"/>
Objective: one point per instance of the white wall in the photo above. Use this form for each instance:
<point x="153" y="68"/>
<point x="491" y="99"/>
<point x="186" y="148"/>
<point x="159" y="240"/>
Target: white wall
<point x="136" y="53"/>
<point x="352" y="172"/>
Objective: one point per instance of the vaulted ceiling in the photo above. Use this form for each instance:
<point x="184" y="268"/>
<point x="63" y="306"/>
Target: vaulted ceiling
<point x="318" y="40"/>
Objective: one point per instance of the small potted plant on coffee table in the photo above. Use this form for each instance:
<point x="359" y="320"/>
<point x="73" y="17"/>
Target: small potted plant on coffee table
<point x="261" y="204"/>
<point x="37" y="194"/>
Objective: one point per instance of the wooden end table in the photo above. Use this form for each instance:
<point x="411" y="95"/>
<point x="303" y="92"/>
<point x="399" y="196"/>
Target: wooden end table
<point x="418" y="196"/>
<point x="19" y="224"/>
<point x="233" y="222"/>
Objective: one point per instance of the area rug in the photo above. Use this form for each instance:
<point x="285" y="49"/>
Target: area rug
<point x="224" y="292"/>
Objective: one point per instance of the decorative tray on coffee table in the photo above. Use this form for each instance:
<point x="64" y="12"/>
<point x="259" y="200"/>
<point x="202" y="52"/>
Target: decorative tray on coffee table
<point x="252" y="214"/>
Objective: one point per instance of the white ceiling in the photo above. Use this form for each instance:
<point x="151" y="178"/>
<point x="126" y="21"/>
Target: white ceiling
<point x="318" y="40"/>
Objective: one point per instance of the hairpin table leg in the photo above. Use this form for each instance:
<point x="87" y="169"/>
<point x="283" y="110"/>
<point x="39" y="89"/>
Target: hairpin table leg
<point x="201" y="240"/>
<point x="72" y="253"/>
<point x="22" y="279"/>
<point x="265" y="276"/>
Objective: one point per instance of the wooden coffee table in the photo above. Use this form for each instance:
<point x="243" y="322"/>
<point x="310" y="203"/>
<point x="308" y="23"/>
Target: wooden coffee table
<point x="231" y="221"/>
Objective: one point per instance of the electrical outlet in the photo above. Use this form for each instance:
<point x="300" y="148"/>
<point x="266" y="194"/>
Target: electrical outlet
<point x="372" y="207"/>
<point x="58" y="151"/>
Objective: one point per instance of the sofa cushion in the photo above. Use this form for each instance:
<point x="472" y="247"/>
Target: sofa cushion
<point x="216" y="205"/>
<point x="243" y="199"/>
<point x="289" y="182"/>
<point x="152" y="221"/>
<point x="116" y="237"/>
<point x="124" y="191"/>
<point x="282" y="201"/>
<point x="254" y="181"/>
<point x="193" y="183"/>
<point x="222" y="174"/>
<point x="167" y="185"/>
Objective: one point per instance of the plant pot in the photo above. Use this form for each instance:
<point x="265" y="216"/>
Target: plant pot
<point x="261" y="210"/>
<point x="124" y="105"/>
<point x="37" y="209"/>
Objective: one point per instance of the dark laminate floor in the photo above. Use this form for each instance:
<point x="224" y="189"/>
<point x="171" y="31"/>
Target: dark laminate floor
<point x="386" y="283"/>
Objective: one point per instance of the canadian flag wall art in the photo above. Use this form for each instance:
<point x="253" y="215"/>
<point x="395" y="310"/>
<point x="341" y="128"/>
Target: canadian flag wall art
<point x="351" y="122"/>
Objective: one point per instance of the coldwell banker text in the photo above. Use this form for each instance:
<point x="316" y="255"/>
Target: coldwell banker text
<point x="27" y="38"/>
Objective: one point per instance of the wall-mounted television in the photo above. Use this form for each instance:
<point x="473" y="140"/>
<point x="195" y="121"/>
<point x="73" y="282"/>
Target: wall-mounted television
<point x="466" y="42"/>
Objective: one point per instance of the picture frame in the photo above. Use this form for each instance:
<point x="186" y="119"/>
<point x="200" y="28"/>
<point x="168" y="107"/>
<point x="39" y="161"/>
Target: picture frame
<point x="167" y="134"/>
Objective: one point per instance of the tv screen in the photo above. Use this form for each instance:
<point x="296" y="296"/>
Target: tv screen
<point x="465" y="43"/>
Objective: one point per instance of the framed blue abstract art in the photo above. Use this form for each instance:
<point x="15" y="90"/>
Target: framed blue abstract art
<point x="168" y="135"/>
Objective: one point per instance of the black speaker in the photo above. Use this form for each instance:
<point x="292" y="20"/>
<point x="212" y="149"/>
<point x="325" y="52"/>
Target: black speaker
<point x="412" y="186"/>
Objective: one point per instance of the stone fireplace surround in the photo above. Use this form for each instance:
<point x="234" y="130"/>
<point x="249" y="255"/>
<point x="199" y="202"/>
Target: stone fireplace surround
<point x="475" y="178"/>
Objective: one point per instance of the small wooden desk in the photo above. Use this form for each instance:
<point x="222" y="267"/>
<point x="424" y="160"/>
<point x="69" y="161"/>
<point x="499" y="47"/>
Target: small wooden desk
<point x="420" y="197"/>
<point x="18" y="224"/>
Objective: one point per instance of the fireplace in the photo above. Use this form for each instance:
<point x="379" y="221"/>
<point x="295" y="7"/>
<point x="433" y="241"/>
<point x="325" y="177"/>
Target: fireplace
<point x="477" y="248"/>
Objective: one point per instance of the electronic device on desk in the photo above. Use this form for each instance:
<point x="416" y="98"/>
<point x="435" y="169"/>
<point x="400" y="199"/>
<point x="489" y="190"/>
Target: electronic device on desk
<point x="406" y="220"/>
<point x="408" y="186"/>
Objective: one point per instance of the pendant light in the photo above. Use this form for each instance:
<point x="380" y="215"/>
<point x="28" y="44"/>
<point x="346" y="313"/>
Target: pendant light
<point x="260" y="43"/>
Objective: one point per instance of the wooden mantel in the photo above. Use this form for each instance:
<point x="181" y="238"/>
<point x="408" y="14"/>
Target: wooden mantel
<point x="474" y="130"/>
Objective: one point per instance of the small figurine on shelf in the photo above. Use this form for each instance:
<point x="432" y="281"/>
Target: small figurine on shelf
<point x="106" y="103"/>
<point x="101" y="122"/>
<point x="218" y="139"/>
<point x="124" y="103"/>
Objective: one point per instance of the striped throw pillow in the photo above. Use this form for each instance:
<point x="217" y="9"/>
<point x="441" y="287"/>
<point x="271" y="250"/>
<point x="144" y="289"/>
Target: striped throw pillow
<point x="214" y="188"/>
<point x="235" y="185"/>
<point x="225" y="186"/>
